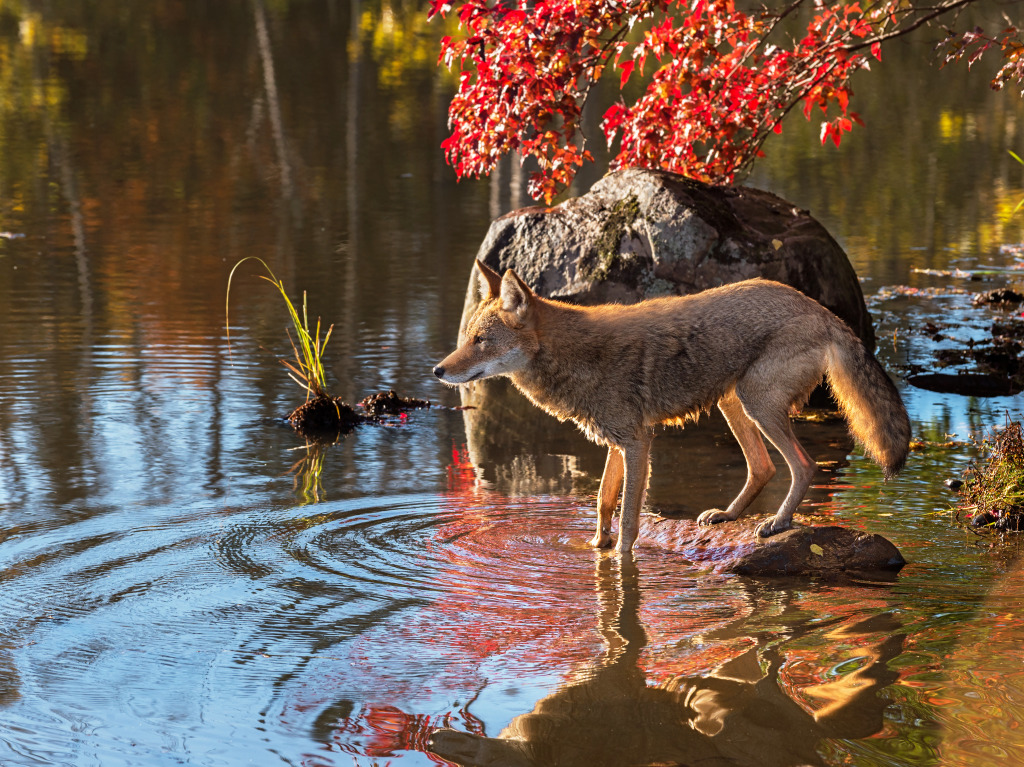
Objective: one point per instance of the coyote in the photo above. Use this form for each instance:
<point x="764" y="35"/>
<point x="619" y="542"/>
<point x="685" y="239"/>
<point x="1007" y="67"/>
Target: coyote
<point x="755" y="348"/>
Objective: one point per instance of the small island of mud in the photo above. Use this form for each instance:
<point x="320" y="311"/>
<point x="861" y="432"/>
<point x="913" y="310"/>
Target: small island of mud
<point x="326" y="418"/>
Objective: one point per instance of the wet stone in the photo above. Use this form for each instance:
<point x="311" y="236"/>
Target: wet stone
<point x="820" y="551"/>
<point x="1003" y="520"/>
<point x="828" y="551"/>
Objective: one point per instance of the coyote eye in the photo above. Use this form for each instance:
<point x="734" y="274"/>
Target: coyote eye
<point x="478" y="339"/>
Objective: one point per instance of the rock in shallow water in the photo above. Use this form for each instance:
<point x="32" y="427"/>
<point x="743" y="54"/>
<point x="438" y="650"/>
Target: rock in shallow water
<point x="734" y="547"/>
<point x="820" y="550"/>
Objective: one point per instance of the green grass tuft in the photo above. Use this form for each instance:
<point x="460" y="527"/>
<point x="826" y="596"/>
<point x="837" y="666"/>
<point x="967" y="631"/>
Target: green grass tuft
<point x="307" y="370"/>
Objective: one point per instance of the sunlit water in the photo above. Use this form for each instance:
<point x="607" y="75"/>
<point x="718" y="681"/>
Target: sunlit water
<point x="184" y="582"/>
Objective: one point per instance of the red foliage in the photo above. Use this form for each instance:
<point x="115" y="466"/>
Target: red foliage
<point x="975" y="43"/>
<point x="720" y="81"/>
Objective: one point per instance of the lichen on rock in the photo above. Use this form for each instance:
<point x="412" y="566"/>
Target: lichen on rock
<point x="607" y="254"/>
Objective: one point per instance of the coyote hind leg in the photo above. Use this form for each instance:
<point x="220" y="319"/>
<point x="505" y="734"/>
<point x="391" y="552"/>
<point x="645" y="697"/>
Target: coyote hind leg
<point x="760" y="468"/>
<point x="777" y="428"/>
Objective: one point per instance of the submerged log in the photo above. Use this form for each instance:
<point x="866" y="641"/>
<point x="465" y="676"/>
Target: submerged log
<point x="966" y="384"/>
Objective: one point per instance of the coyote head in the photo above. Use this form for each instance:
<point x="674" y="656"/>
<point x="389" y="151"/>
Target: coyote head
<point x="500" y="337"/>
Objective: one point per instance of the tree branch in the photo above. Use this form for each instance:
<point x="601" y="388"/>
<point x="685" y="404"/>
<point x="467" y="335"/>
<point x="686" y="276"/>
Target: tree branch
<point x="933" y="13"/>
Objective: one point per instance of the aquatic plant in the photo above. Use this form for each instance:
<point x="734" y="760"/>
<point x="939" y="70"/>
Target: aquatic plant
<point x="992" y="494"/>
<point x="322" y="418"/>
<point x="1016" y="157"/>
<point x="308" y="368"/>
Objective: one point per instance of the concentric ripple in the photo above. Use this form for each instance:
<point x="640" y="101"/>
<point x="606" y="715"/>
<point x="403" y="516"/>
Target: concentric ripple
<point x="426" y="545"/>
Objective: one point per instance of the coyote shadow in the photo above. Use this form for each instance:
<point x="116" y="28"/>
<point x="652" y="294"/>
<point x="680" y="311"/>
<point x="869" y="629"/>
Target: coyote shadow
<point x="736" y="714"/>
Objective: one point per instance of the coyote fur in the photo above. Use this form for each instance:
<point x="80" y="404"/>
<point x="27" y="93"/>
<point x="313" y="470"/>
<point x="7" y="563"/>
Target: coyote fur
<point x="755" y="348"/>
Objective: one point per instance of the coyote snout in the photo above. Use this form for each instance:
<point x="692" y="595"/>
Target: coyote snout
<point x="755" y="348"/>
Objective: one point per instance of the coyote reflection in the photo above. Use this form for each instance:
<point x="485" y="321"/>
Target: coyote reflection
<point x="737" y="715"/>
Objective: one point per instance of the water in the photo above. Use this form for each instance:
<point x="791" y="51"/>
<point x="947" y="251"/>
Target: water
<point x="184" y="582"/>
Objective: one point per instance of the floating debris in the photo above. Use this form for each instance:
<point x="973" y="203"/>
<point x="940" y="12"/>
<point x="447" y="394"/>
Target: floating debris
<point x="389" y="403"/>
<point x="959" y="273"/>
<point x="898" y="291"/>
<point x="999" y="297"/>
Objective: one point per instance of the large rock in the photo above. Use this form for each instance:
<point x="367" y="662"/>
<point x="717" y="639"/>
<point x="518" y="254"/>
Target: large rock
<point x="643" y="233"/>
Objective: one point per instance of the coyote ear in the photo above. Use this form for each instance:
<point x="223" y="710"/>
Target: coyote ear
<point x="490" y="281"/>
<point x="515" y="294"/>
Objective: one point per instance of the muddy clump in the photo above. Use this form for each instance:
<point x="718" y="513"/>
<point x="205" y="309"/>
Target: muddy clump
<point x="389" y="403"/>
<point x="1001" y="297"/>
<point x="326" y="418"/>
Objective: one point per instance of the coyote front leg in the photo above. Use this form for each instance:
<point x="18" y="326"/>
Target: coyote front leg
<point x="608" y="498"/>
<point x="636" y="457"/>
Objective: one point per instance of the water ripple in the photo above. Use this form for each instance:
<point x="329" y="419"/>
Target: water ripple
<point x="419" y="546"/>
<point x="329" y="617"/>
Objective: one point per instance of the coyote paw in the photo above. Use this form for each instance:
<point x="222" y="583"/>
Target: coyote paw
<point x="713" y="517"/>
<point x="602" y="540"/>
<point x="772" y="526"/>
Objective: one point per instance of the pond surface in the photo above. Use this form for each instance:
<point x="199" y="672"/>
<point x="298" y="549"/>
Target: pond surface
<point x="184" y="582"/>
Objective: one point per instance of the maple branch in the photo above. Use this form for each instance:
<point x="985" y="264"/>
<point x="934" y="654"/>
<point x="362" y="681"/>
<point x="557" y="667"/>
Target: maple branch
<point x="722" y="85"/>
<point x="934" y="13"/>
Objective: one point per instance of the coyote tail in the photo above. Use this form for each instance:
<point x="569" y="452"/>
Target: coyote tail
<point x="869" y="401"/>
